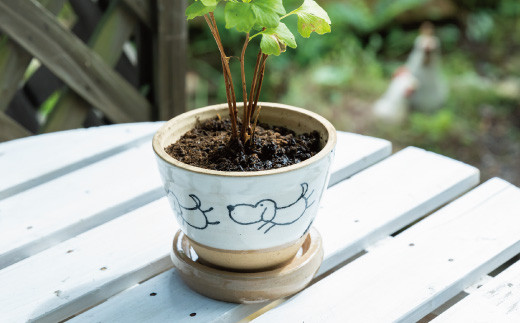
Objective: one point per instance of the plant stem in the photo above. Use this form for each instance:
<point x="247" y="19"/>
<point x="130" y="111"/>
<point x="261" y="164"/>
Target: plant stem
<point x="230" y="91"/>
<point x="290" y="13"/>
<point x="254" y="124"/>
<point x="234" y="118"/>
<point x="245" y="123"/>
<point x="253" y="87"/>
<point x="260" y="80"/>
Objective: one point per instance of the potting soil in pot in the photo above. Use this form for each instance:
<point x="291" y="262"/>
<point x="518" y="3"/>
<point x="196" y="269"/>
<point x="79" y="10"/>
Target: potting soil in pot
<point x="208" y="146"/>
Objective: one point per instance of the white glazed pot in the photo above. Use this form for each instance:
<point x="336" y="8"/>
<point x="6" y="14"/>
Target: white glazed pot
<point x="246" y="220"/>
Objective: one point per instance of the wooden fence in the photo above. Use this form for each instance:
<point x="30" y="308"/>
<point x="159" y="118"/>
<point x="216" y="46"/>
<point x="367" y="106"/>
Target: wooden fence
<point x="119" y="61"/>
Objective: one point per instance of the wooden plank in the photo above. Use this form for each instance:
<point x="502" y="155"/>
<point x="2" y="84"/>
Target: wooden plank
<point x="69" y="113"/>
<point x="170" y="71"/>
<point x="56" y="47"/>
<point x="32" y="161"/>
<point x="371" y="150"/>
<point x="43" y="83"/>
<point x="142" y="9"/>
<point x="87" y="197"/>
<point x="496" y="301"/>
<point x="107" y="41"/>
<point x="14" y="61"/>
<point x="421" y="268"/>
<point x="382" y="198"/>
<point x="87" y="287"/>
<point x="80" y="272"/>
<point x="386" y="197"/>
<point x="10" y="129"/>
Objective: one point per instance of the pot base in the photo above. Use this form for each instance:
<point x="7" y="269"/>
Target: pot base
<point x="251" y="261"/>
<point x="248" y="287"/>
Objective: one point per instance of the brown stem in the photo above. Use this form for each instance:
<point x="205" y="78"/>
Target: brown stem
<point x="253" y="128"/>
<point x="245" y="124"/>
<point x="230" y="92"/>
<point x="234" y="132"/>
<point x="253" y="87"/>
<point x="260" y="80"/>
<point x="230" y="78"/>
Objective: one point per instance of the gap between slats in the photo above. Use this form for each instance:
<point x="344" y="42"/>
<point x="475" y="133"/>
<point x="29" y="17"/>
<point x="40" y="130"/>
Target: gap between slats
<point x="36" y="246"/>
<point x="484" y="285"/>
<point x="46" y="177"/>
<point x="89" y="197"/>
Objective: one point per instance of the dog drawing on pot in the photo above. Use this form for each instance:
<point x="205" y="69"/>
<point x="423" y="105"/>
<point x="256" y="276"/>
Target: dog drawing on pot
<point x="269" y="213"/>
<point x="194" y="216"/>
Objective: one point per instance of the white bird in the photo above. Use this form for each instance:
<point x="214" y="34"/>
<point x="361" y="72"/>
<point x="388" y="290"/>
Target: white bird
<point x="393" y="106"/>
<point x="424" y="63"/>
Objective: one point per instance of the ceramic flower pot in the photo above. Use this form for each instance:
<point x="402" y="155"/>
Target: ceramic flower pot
<point x="246" y="220"/>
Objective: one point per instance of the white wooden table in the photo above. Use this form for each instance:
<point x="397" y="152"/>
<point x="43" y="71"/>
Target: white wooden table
<point x="85" y="233"/>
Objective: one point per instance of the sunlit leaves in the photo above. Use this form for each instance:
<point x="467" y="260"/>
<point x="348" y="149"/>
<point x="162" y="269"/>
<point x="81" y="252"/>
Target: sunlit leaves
<point x="268" y="12"/>
<point x="260" y="13"/>
<point x="275" y="40"/>
<point x="239" y="15"/>
<point x="210" y="3"/>
<point x="198" y="8"/>
<point x="312" y="18"/>
<point x="270" y="45"/>
<point x="264" y="17"/>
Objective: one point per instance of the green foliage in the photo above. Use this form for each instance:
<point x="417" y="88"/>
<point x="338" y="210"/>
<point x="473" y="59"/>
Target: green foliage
<point x="240" y="16"/>
<point x="258" y="13"/>
<point x="264" y="16"/>
<point x="198" y="9"/>
<point x="432" y="128"/>
<point x="275" y="40"/>
<point x="360" y="16"/>
<point x="312" y="18"/>
<point x="480" y="26"/>
<point x="48" y="105"/>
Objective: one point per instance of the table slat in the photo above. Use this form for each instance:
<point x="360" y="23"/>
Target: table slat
<point x="383" y="197"/>
<point x="496" y="301"/>
<point x="421" y="268"/>
<point x="27" y="162"/>
<point x="41" y="217"/>
<point x="386" y="197"/>
<point x="356" y="152"/>
<point x="79" y="272"/>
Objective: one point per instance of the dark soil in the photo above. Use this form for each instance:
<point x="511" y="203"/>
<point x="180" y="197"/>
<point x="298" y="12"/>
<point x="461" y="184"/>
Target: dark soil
<point x="208" y="146"/>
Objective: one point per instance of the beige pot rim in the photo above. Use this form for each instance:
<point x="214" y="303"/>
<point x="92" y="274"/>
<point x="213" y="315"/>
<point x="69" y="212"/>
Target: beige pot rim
<point x="159" y="149"/>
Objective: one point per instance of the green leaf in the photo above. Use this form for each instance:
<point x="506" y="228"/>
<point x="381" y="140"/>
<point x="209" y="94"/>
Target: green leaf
<point x="210" y="3"/>
<point x="197" y="9"/>
<point x="255" y="13"/>
<point x="312" y="17"/>
<point x="275" y="40"/>
<point x="270" y="45"/>
<point x="283" y="34"/>
<point x="268" y="12"/>
<point x="239" y="15"/>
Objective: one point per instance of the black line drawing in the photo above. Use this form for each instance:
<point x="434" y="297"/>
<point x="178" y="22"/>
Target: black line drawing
<point x="198" y="217"/>
<point x="268" y="211"/>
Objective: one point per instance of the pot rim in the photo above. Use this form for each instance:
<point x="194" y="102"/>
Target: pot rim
<point x="329" y="145"/>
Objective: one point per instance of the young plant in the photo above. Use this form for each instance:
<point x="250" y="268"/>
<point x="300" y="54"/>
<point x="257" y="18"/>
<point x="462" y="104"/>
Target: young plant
<point x="263" y="19"/>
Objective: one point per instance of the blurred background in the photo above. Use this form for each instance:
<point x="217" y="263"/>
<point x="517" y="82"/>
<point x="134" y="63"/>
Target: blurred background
<point x="345" y="75"/>
<point x="451" y="86"/>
